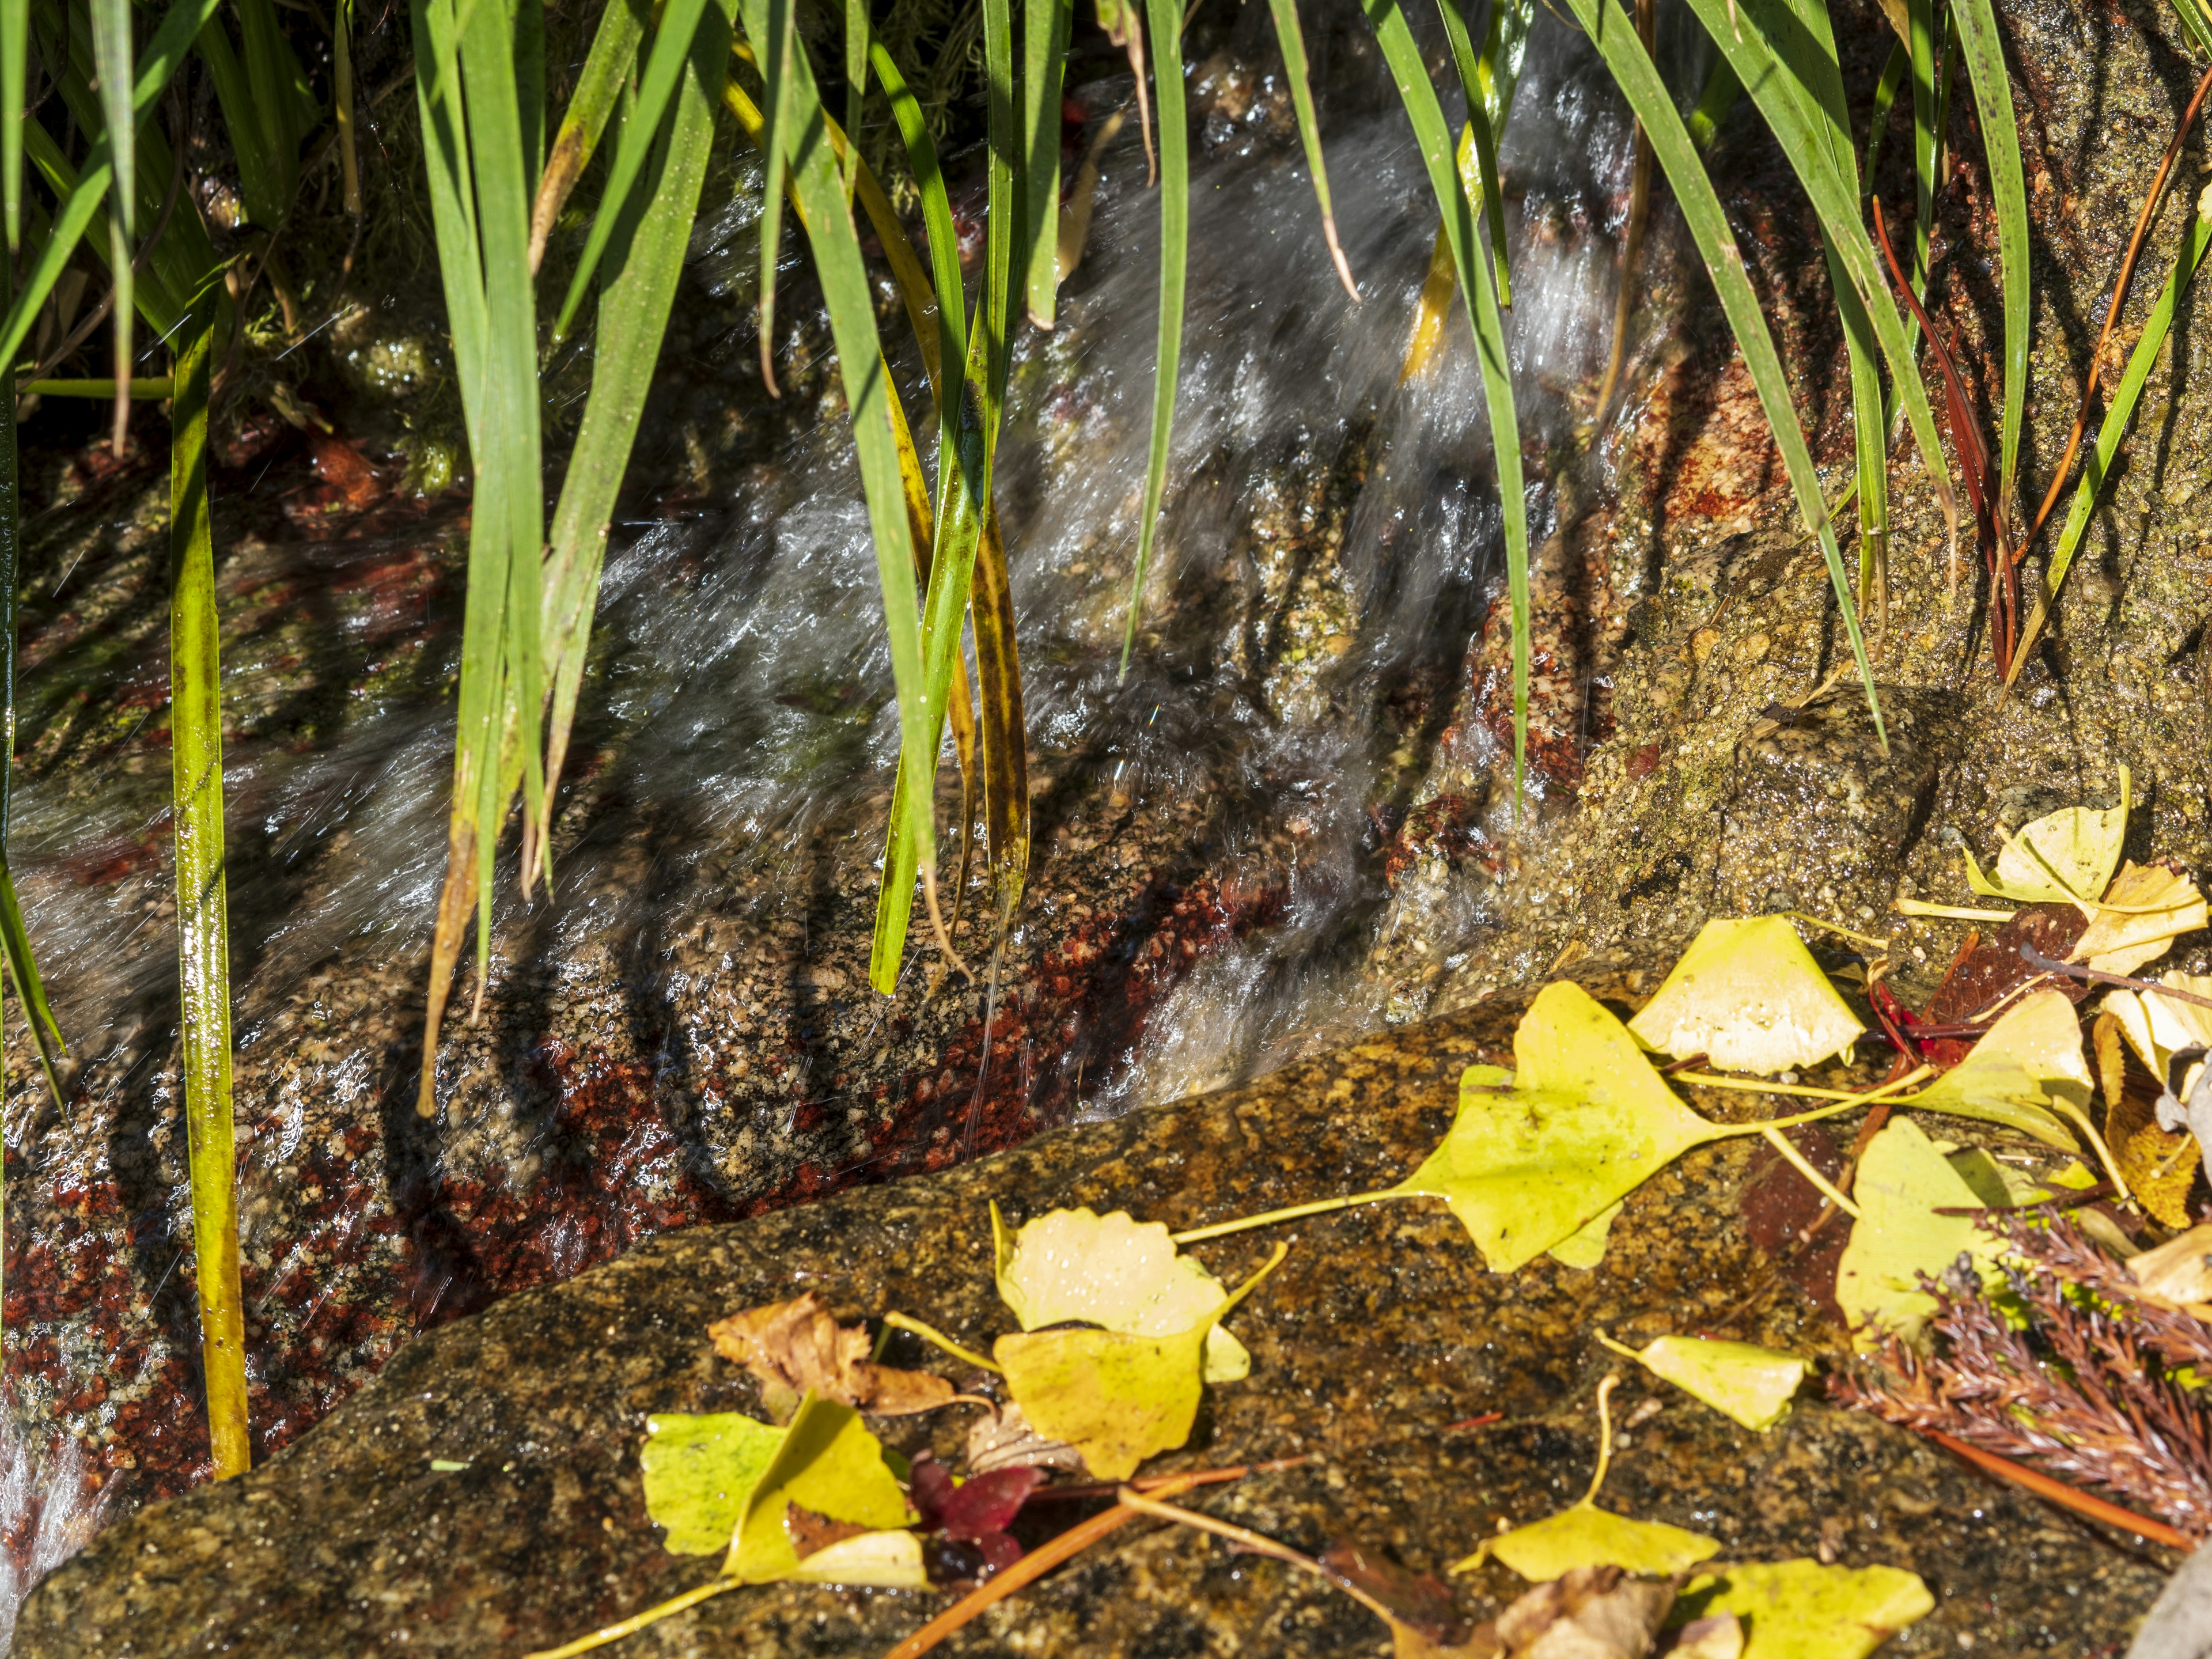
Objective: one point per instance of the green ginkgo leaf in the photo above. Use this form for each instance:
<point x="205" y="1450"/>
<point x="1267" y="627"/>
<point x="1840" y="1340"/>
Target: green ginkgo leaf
<point x="1802" y="1610"/>
<point x="1747" y="995"/>
<point x="2026" y="1068"/>
<point x="830" y="1466"/>
<point x="1903" y="1181"/>
<point x="1534" y="1156"/>
<point x="698" y="1472"/>
<point x="1113" y="1271"/>
<point x="2066" y="858"/>
<point x="1117" y="1398"/>
<point x="1741" y="1380"/>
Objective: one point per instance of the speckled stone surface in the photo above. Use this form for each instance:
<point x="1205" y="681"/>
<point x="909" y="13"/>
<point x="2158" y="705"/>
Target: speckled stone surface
<point x="1380" y="1333"/>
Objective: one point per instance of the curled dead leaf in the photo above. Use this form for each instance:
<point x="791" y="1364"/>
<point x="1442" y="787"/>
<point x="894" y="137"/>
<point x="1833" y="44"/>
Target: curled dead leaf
<point x="795" y="1347"/>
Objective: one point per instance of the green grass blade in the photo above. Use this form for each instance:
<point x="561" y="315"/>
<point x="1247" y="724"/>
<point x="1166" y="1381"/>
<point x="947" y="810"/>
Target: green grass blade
<point x="1504" y="45"/>
<point x="203" y="924"/>
<point x="111" y="51"/>
<point x="1484" y="142"/>
<point x="1884" y="99"/>
<point x="2197" y="20"/>
<point x="1045" y="25"/>
<point x="1613" y="34"/>
<point x="664" y="67"/>
<point x="178" y="27"/>
<point x="645" y="257"/>
<point x="2119" y="411"/>
<point x="1164" y="18"/>
<point x="783" y="45"/>
<point x="15" y="70"/>
<point x="14" y="937"/>
<point x="936" y="218"/>
<point x="1921" y="40"/>
<point x="1293" y="43"/>
<point x="847" y="293"/>
<point x="607" y="71"/>
<point x="1721" y="91"/>
<point x="1982" y="48"/>
<point x="1447" y="178"/>
<point x="529" y="84"/>
<point x="856" y="83"/>
<point x="1785" y="59"/>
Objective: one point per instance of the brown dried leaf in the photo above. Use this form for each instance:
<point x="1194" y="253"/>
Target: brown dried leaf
<point x="2179" y="1270"/>
<point x="1007" y="1442"/>
<point x="2160" y="1168"/>
<point x="1593" y="1612"/>
<point x="795" y="1347"/>
<point x="1419" y="1601"/>
<point x="811" y="1532"/>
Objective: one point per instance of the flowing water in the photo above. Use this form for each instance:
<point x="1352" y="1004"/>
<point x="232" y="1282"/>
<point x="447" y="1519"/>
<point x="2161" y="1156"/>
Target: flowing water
<point x="1331" y="546"/>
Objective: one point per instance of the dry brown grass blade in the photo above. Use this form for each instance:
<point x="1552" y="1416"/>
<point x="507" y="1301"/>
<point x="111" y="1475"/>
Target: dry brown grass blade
<point x="456" y="902"/>
<point x="2112" y="316"/>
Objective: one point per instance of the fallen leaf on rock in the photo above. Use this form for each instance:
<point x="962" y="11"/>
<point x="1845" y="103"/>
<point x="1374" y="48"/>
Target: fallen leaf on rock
<point x="1113" y="1271"/>
<point x="2066" y="858"/>
<point x="1584" y="1536"/>
<point x="1008" y="1441"/>
<point x="1752" y="1384"/>
<point x="1802" y="1610"/>
<point x="793" y="1348"/>
<point x="2158" y="1028"/>
<point x="1716" y="1636"/>
<point x="2179" y="1270"/>
<point x="1591" y="1612"/>
<point x="1903" y="1181"/>
<point x="1535" y="1155"/>
<point x="2146" y="909"/>
<point x="828" y="1465"/>
<point x="1748" y="995"/>
<point x="2160" y="1166"/>
<point x="1419" y="1603"/>
<point x="1117" y="1398"/>
<point x="698" y="1471"/>
<point x="2026" y="1069"/>
<point x="1584" y="1248"/>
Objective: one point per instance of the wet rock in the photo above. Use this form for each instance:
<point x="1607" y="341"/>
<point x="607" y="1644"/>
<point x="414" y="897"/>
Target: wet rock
<point x="1373" y="1344"/>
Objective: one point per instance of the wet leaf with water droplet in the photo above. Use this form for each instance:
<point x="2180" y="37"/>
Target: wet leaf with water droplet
<point x="698" y="1472"/>
<point x="1748" y="995"/>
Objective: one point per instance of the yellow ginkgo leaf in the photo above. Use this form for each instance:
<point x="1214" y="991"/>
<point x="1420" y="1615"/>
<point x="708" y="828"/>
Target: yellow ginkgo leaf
<point x="1584" y="1535"/>
<point x="1535" y="1155"/>
<point x="2157" y="1027"/>
<point x="1741" y="1380"/>
<point x="829" y="1466"/>
<point x="1903" y="1181"/>
<point x="1802" y="1610"/>
<point x="2066" y="858"/>
<point x="1584" y="1248"/>
<point x="698" y="1471"/>
<point x="1117" y="1398"/>
<point x="879" y="1560"/>
<point x="1113" y="1271"/>
<point x="1587" y="1536"/>
<point x="1747" y="995"/>
<point x="2147" y="908"/>
<point x="2025" y="1072"/>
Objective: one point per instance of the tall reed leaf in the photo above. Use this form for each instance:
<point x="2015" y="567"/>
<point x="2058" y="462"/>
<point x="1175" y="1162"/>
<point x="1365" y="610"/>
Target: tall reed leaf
<point x="111" y="51"/>
<point x="1164" y="20"/>
<point x="646" y="257"/>
<point x="1791" y="71"/>
<point x="1293" y="43"/>
<point x="847" y="293"/>
<point x="664" y="68"/>
<point x="1045" y="25"/>
<point x="1483" y="139"/>
<point x="14" y="938"/>
<point x="1614" y="36"/>
<point x="1982" y="49"/>
<point x="2118" y="412"/>
<point x="1884" y="99"/>
<point x="781" y="46"/>
<point x="950" y="345"/>
<point x="1924" y="35"/>
<point x="15" y="70"/>
<point x="81" y="200"/>
<point x="203" y="922"/>
<point x="1448" y="180"/>
<point x="607" y="71"/>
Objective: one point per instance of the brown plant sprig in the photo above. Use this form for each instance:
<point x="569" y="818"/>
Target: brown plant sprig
<point x="2087" y="1392"/>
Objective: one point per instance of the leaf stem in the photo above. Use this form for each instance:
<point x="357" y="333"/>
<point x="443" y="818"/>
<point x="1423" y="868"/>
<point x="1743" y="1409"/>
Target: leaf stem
<point x="1828" y="1189"/>
<point x="1296" y="1212"/>
<point x="1257" y="1543"/>
<point x="636" y="1622"/>
<point x="896" y="1321"/>
<point x="1868" y="1098"/>
<point x="2060" y="1104"/>
<point x="1604" y="1437"/>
